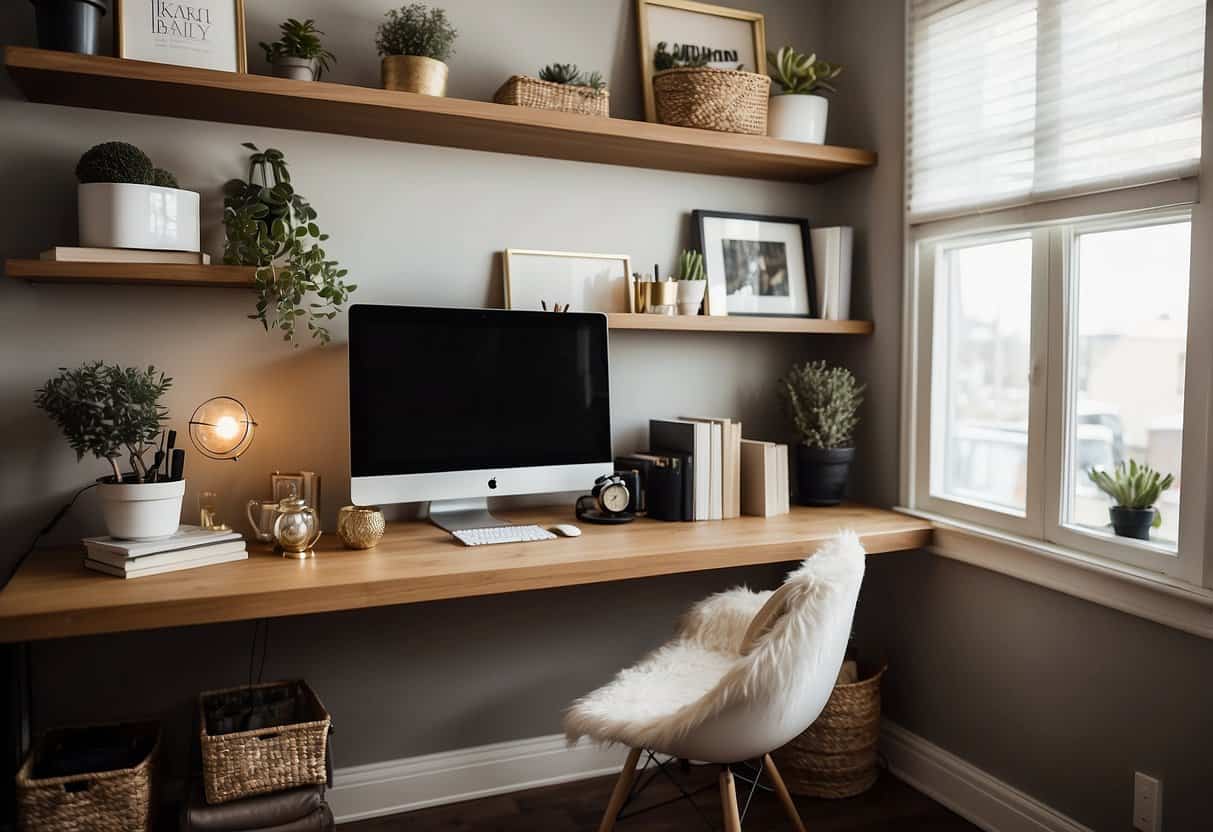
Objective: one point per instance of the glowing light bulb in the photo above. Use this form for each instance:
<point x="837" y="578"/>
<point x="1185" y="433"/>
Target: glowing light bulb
<point x="227" y="427"/>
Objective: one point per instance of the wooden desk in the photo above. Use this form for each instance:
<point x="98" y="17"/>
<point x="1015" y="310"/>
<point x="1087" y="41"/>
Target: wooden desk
<point x="54" y="596"/>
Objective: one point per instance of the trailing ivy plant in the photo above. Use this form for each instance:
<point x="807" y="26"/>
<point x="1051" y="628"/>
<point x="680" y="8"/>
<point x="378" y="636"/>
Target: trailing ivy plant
<point x="823" y="403"/>
<point x="271" y="226"/>
<point x="300" y="39"/>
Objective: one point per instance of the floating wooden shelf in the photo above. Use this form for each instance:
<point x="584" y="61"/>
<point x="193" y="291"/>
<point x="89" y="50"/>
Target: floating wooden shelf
<point x="138" y="87"/>
<point x="738" y="323"/>
<point x="141" y="274"/>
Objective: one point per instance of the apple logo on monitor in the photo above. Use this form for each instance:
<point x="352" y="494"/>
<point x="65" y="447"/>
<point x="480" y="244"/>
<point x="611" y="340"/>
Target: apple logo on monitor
<point x="493" y="482"/>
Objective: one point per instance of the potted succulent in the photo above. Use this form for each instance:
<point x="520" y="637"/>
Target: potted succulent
<point x="561" y="87"/>
<point x="687" y="92"/>
<point x="692" y="282"/>
<point x="1134" y="490"/>
<point x="70" y="25"/>
<point x="798" y="112"/>
<point x="415" y="42"/>
<point x="823" y="403"/>
<point x="115" y="414"/>
<point x="127" y="202"/>
<point x="298" y="52"/>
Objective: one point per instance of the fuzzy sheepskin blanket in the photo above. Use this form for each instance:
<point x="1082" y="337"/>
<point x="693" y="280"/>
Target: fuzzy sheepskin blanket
<point x="701" y="673"/>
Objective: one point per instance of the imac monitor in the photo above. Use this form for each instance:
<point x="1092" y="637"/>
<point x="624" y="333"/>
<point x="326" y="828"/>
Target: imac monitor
<point x="454" y="405"/>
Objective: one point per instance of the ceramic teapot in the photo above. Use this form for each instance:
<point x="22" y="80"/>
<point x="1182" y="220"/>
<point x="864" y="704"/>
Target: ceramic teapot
<point x="297" y="528"/>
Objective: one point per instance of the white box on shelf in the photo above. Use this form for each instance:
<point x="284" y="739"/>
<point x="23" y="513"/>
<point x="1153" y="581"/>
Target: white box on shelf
<point x="123" y="215"/>
<point x="832" y="249"/>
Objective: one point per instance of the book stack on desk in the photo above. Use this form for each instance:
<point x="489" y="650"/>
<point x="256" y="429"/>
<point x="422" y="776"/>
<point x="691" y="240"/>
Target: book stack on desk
<point x="190" y="548"/>
<point x="711" y="450"/>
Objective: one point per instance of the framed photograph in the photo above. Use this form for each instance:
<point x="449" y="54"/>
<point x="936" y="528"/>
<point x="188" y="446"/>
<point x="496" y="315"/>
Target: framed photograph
<point x="757" y="265"/>
<point x="585" y="282"/>
<point x="729" y="38"/>
<point x="207" y="34"/>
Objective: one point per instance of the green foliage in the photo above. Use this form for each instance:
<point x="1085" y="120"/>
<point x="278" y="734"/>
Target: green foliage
<point x="823" y="403"/>
<point x="162" y="178"/>
<point x="300" y="40"/>
<point x="1133" y="486"/>
<point x="690" y="265"/>
<point x="664" y="59"/>
<point x="271" y="226"/>
<point x="569" y="74"/>
<point x="416" y="30"/>
<point x="104" y="410"/>
<point x="801" y="74"/>
<point x="115" y="162"/>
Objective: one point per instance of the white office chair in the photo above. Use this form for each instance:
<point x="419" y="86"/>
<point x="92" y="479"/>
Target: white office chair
<point x="746" y="673"/>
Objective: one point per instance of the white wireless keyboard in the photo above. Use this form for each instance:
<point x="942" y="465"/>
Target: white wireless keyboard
<point x="502" y="534"/>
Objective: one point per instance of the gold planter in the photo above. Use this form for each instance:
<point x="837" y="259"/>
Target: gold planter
<point x="360" y="527"/>
<point x="412" y="73"/>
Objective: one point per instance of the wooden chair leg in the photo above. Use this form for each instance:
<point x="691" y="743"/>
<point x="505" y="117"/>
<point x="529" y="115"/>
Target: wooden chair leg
<point x="728" y="801"/>
<point x="623" y="786"/>
<point x="781" y="789"/>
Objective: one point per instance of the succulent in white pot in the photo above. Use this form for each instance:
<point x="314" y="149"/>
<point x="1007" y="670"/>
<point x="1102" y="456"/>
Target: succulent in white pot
<point x="798" y="112"/>
<point x="692" y="282"/>
<point x="298" y="53"/>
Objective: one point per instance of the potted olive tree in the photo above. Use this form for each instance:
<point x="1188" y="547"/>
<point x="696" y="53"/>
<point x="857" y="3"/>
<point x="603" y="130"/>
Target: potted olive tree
<point x="798" y="112"/>
<point x="691" y="282"/>
<point x="298" y="53"/>
<point x="1134" y="490"/>
<point x="415" y="42"/>
<point x="823" y="403"/>
<point x="115" y="414"/>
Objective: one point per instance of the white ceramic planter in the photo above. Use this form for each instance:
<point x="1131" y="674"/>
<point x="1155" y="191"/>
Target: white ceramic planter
<point x="121" y="215"/>
<point x="141" y="511"/>
<point x="690" y="296"/>
<point x="298" y="69"/>
<point x="798" y="118"/>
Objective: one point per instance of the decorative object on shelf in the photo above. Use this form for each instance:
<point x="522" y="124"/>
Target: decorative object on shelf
<point x="298" y="53"/>
<point x="692" y="282"/>
<point x="261" y="516"/>
<point x="586" y="282"/>
<point x="360" y="527"/>
<point x="208" y="513"/>
<point x="823" y="404"/>
<point x="207" y="34"/>
<point x="724" y="100"/>
<point x="560" y="87"/>
<point x="798" y="112"/>
<point x="124" y="201"/>
<point x="296" y="528"/>
<point x="415" y="43"/>
<point x="756" y="265"/>
<point x="69" y="25"/>
<point x="114" y="412"/>
<point x="1134" y="490"/>
<point x="663" y="297"/>
<point x="305" y="484"/>
<point x="268" y="224"/>
<point x="222" y="428"/>
<point x="832" y="249"/>
<point x="608" y="503"/>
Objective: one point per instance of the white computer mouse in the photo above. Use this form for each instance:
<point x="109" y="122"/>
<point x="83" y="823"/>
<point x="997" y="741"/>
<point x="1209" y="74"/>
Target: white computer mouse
<point x="565" y="530"/>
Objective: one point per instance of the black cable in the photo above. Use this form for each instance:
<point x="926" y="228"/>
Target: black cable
<point x="45" y="530"/>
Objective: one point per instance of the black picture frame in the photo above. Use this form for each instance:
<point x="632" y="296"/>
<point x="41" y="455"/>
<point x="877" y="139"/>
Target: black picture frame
<point x="697" y="227"/>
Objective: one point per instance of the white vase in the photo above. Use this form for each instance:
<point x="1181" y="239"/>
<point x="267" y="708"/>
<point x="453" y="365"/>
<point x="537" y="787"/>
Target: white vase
<point x="690" y="296"/>
<point x="798" y="118"/>
<point x="122" y="215"/>
<point x="141" y="511"/>
<point x="297" y="69"/>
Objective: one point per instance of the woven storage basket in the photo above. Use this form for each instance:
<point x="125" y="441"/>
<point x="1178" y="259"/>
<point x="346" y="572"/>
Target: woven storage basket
<point x="836" y="756"/>
<point x="262" y="760"/>
<point x="115" y="800"/>
<point x="522" y="91"/>
<point x="724" y="100"/>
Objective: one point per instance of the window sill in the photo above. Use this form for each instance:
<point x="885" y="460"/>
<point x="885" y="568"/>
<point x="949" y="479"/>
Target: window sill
<point x="1138" y="592"/>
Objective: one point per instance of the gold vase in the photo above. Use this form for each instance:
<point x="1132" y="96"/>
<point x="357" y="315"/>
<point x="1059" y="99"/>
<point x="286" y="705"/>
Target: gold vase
<point x="360" y="527"/>
<point x="412" y="73"/>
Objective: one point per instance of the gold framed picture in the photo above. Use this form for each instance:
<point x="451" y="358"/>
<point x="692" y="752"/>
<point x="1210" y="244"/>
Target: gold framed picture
<point x="727" y="38"/>
<point x="552" y="280"/>
<point x="206" y="34"/>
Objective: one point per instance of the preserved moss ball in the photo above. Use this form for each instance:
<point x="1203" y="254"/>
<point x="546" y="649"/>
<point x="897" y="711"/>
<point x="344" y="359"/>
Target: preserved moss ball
<point x="115" y="162"/>
<point x="164" y="179"/>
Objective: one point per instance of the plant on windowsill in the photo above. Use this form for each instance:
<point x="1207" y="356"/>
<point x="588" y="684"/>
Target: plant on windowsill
<point x="823" y="404"/>
<point x="415" y="43"/>
<point x="692" y="283"/>
<point x="798" y="110"/>
<point x="298" y="52"/>
<point x="1134" y="490"/>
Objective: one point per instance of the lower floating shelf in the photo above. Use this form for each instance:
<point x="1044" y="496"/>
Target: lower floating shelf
<point x="738" y="323"/>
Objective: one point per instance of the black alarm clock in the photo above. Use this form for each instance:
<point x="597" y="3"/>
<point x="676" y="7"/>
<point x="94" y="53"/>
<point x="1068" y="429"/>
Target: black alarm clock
<point x="610" y="501"/>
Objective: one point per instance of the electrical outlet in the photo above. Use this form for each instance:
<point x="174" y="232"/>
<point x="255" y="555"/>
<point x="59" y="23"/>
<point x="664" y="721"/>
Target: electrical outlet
<point x="1147" y="803"/>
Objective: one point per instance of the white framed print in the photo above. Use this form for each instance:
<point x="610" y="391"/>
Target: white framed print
<point x="567" y="280"/>
<point x="206" y="34"/>
<point x="756" y="265"/>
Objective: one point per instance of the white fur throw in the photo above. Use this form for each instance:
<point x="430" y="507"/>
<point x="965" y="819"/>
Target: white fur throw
<point x="701" y="673"/>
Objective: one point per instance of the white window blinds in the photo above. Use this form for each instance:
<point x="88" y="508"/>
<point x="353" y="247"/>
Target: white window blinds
<point x="1016" y="101"/>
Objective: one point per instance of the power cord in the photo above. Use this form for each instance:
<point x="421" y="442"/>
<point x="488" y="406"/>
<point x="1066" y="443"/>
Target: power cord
<point x="45" y="531"/>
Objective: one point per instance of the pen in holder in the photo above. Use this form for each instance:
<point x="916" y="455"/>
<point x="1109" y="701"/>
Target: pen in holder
<point x="663" y="297"/>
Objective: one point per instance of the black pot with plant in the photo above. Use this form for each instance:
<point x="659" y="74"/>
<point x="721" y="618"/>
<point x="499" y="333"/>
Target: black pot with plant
<point x="1134" y="490"/>
<point x="823" y="403"/>
<point x="70" y="25"/>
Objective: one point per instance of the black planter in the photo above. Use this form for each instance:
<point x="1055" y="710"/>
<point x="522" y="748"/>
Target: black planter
<point x="70" y="25"/>
<point x="1132" y="522"/>
<point x="821" y="474"/>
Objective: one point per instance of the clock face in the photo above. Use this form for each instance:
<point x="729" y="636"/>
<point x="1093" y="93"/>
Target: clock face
<point x="615" y="497"/>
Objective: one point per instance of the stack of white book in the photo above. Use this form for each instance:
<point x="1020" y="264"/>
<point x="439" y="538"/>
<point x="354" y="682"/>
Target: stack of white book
<point x="764" y="478"/>
<point x="714" y="445"/>
<point x="189" y="548"/>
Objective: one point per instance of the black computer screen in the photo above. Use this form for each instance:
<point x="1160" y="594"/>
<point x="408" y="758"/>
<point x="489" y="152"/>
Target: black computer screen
<point x="462" y="389"/>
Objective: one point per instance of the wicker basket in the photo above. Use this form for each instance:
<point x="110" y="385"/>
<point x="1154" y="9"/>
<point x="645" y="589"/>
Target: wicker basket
<point x="836" y="756"/>
<point x="522" y="91"/>
<point x="288" y="752"/>
<point x="116" y="796"/>
<point x="724" y="100"/>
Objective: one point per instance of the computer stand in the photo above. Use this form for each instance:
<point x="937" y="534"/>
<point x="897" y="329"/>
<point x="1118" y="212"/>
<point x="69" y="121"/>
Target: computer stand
<point x="457" y="515"/>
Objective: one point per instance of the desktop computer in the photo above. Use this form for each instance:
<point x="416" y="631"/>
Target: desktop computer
<point x="452" y="406"/>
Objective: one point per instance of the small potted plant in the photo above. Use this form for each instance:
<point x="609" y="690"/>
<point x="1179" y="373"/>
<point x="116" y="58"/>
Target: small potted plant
<point x="798" y="111"/>
<point x="115" y="414"/>
<point x="560" y="87"/>
<point x="298" y="53"/>
<point x="689" y="93"/>
<point x="1134" y="490"/>
<point x="70" y="25"/>
<point x="823" y="403"/>
<point x="692" y="282"/>
<point x="415" y="43"/>
<point x="124" y="201"/>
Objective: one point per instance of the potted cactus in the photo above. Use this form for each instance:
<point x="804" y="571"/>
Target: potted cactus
<point x="415" y="43"/>
<point x="1134" y="490"/>
<point x="561" y="87"/>
<point x="798" y="112"/>
<point x="298" y="53"/>
<point x="823" y="404"/>
<point x="692" y="282"/>
<point x="124" y="201"/>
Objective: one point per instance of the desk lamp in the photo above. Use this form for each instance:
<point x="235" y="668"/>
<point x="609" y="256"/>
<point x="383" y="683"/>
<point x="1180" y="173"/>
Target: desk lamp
<point x="222" y="428"/>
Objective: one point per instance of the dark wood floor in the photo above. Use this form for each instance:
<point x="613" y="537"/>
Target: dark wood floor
<point x="577" y="807"/>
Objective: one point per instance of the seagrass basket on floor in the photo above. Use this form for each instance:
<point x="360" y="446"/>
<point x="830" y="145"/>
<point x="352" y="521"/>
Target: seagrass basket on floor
<point x="98" y="778"/>
<point x="524" y="91"/>
<point x="725" y="100"/>
<point x="837" y="755"/>
<point x="262" y="738"/>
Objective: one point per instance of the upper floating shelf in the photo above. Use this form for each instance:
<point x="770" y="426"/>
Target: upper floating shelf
<point x="158" y="89"/>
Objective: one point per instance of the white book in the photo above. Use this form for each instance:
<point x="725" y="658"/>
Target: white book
<point x="694" y="438"/>
<point x="163" y="558"/>
<point x="730" y="464"/>
<point x="832" y="248"/>
<point x="185" y="537"/>
<point x="781" y="469"/>
<point x="80" y="254"/>
<point x="716" y="474"/>
<point x="118" y="572"/>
